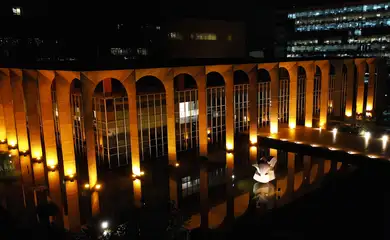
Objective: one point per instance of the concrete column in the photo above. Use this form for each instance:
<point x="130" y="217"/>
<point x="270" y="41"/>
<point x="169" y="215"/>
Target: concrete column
<point x="361" y="70"/>
<point x="350" y="89"/>
<point x="30" y="87"/>
<point x="253" y="155"/>
<point x="19" y="108"/>
<point x="20" y="120"/>
<point x="382" y="76"/>
<point x="274" y="108"/>
<point x="8" y="107"/>
<point x="292" y="114"/>
<point x="133" y="124"/>
<point x="204" y="197"/>
<point x="88" y="88"/>
<point x="202" y="108"/>
<point x="45" y="79"/>
<point x="310" y="72"/>
<point x="325" y="76"/>
<point x="337" y="93"/>
<point x="63" y="82"/>
<point x="371" y="87"/>
<point x="290" y="172"/>
<point x="3" y="129"/>
<point x="171" y="121"/>
<point x="253" y="105"/>
<point x="229" y="113"/>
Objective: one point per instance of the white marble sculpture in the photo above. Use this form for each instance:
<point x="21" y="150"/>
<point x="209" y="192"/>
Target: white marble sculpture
<point x="265" y="170"/>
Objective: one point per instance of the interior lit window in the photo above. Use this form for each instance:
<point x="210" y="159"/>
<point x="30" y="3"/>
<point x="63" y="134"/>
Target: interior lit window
<point x="175" y="35"/>
<point x="204" y="36"/>
<point x="17" y="11"/>
<point x="230" y="37"/>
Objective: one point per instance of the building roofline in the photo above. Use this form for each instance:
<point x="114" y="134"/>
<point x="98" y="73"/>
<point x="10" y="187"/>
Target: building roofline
<point x="334" y="5"/>
<point x="100" y="66"/>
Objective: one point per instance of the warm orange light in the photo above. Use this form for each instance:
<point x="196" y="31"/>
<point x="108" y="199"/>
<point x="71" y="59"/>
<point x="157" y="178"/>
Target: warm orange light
<point x="229" y="146"/>
<point x="208" y="131"/>
<point x="177" y="164"/>
<point x="12" y="143"/>
<point x="292" y="125"/>
<point x="348" y="113"/>
<point x="369" y="107"/>
<point x="3" y="140"/>
<point x="309" y="125"/>
<point x="51" y="165"/>
<point x="70" y="173"/>
<point x="98" y="186"/>
<point x="86" y="186"/>
<point x="253" y="140"/>
<point x="274" y="128"/>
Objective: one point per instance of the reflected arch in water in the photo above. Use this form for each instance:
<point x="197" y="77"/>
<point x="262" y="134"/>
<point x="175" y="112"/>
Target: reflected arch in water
<point x="152" y="117"/>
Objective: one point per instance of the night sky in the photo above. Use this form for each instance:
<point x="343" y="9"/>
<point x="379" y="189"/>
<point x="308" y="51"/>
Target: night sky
<point x="107" y="10"/>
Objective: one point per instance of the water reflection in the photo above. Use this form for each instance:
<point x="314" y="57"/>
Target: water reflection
<point x="201" y="194"/>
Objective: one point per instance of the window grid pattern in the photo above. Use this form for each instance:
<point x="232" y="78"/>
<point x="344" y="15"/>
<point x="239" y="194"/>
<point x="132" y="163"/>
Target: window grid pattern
<point x="152" y="124"/>
<point x="187" y="123"/>
<point x="331" y="95"/>
<point x="241" y="107"/>
<point x="344" y="93"/>
<point x="284" y="93"/>
<point x="263" y="103"/>
<point x="216" y="113"/>
<point x="317" y="96"/>
<point x="112" y="134"/>
<point x="55" y="118"/>
<point x="78" y="122"/>
<point x="301" y="100"/>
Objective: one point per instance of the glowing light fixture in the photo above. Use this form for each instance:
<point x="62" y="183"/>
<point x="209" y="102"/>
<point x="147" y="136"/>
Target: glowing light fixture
<point x="208" y="131"/>
<point x="351" y="152"/>
<point x="334" y="130"/>
<point x="372" y="156"/>
<point x="98" y="187"/>
<point x="314" y="145"/>
<point x="385" y="138"/>
<point x="12" y="145"/>
<point x="348" y="113"/>
<point x="104" y="225"/>
<point x="51" y="165"/>
<point x="70" y="175"/>
<point x="253" y="140"/>
<point x="177" y="164"/>
<point x="3" y="140"/>
<point x="229" y="147"/>
<point x="297" y="142"/>
<point x="332" y="149"/>
<point x="367" y="135"/>
<point x="86" y="186"/>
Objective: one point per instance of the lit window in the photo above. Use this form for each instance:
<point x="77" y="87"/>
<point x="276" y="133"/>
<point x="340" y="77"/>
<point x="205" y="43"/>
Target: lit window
<point x="230" y="37"/>
<point x="142" y="51"/>
<point x="17" y="11"/>
<point x="204" y="36"/>
<point x="175" y="35"/>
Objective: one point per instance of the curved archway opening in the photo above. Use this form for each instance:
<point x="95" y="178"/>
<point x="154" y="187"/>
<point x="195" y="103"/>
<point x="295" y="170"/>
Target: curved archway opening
<point x="216" y="107"/>
<point x="263" y="97"/>
<point x="301" y="96"/>
<point x="152" y="118"/>
<point x="186" y="112"/>
<point x="241" y="101"/>
<point x="284" y="95"/>
<point x="111" y="114"/>
<point x="365" y="94"/>
<point x="344" y="89"/>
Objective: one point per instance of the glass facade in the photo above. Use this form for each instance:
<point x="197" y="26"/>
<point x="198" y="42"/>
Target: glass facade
<point x="354" y="31"/>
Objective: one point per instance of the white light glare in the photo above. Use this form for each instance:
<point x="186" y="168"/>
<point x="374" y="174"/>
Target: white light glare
<point x="334" y="130"/>
<point x="385" y="138"/>
<point x="104" y="225"/>
<point x="367" y="135"/>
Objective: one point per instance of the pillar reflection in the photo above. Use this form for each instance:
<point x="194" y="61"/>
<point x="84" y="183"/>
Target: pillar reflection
<point x="204" y="197"/>
<point x="253" y="155"/>
<point x="137" y="193"/>
<point x="229" y="189"/>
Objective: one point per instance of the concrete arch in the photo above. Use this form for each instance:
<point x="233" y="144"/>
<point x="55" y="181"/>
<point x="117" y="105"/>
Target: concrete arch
<point x="184" y="81"/>
<point x="240" y="77"/>
<point x="218" y="79"/>
<point x="263" y="75"/>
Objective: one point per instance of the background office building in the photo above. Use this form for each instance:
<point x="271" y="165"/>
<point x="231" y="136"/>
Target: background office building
<point x="345" y="31"/>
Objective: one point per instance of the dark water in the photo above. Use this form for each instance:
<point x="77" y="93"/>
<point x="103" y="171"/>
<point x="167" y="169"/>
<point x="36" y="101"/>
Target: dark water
<point x="310" y="198"/>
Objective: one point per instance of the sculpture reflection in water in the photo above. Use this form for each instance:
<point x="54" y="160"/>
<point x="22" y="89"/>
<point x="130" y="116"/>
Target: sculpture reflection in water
<point x="265" y="169"/>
